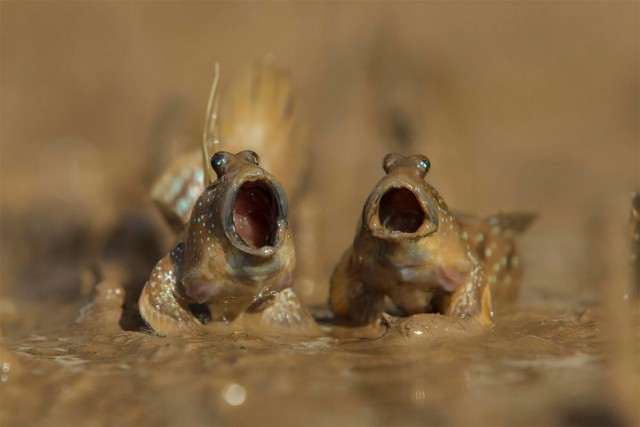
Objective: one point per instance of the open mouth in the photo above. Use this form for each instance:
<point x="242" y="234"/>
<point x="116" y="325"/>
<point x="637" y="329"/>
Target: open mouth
<point x="255" y="214"/>
<point x="400" y="211"/>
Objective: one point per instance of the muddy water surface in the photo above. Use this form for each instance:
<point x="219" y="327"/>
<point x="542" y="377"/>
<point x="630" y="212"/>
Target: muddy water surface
<point x="537" y="367"/>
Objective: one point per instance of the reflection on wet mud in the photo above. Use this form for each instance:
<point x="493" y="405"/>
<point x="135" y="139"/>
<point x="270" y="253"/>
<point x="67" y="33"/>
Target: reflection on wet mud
<point x="424" y="367"/>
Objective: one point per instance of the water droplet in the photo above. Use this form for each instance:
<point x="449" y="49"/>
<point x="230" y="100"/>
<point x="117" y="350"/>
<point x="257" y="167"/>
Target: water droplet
<point x="234" y="394"/>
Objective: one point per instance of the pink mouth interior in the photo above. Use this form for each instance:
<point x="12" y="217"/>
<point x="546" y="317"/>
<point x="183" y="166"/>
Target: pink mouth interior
<point x="400" y="211"/>
<point x="255" y="214"/>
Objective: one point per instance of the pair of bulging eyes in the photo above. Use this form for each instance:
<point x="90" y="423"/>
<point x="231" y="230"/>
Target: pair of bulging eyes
<point x="417" y="161"/>
<point x="220" y="161"/>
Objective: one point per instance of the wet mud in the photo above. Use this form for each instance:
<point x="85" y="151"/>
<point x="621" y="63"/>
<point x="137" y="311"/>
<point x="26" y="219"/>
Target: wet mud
<point x="535" y="367"/>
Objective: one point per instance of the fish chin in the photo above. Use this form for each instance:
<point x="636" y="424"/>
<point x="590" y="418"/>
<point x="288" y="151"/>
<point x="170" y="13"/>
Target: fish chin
<point x="203" y="290"/>
<point x="200" y="291"/>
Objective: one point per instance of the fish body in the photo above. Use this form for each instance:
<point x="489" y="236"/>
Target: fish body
<point x="235" y="253"/>
<point x="411" y="248"/>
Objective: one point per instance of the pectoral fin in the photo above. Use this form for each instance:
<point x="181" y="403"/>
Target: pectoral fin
<point x="473" y="300"/>
<point x="161" y="306"/>
<point x="349" y="300"/>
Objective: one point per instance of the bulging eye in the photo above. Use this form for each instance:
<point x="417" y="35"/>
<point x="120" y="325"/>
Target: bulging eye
<point x="423" y="164"/>
<point x="251" y="156"/>
<point x="220" y="163"/>
<point x="389" y="161"/>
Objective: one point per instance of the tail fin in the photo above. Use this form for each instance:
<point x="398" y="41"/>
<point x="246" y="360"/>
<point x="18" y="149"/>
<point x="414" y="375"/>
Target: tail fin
<point x="260" y="113"/>
<point x="176" y="191"/>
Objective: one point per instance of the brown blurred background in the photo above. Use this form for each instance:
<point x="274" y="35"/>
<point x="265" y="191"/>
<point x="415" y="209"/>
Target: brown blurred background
<point x="531" y="105"/>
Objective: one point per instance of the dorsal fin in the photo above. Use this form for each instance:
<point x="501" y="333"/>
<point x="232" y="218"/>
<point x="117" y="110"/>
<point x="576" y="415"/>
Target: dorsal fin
<point x="260" y="113"/>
